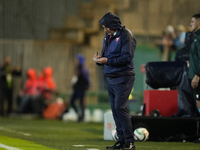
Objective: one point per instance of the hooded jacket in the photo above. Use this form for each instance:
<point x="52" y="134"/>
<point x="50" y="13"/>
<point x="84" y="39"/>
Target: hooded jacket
<point x="48" y="86"/>
<point x="31" y="85"/>
<point x="120" y="49"/>
<point x="48" y="79"/>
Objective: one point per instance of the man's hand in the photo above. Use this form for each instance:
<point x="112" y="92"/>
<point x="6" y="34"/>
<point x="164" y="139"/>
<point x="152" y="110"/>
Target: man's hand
<point x="195" y="82"/>
<point x="96" y="57"/>
<point x="100" y="60"/>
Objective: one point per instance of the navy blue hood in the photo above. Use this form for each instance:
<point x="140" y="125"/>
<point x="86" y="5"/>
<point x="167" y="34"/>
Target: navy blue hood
<point x="81" y="59"/>
<point x="111" y="20"/>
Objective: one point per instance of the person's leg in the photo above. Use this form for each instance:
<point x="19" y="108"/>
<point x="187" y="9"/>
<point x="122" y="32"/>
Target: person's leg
<point x="72" y="101"/>
<point x="10" y="101"/>
<point x="2" y="99"/>
<point x="42" y="104"/>
<point x="122" y="92"/>
<point x="82" y="104"/>
<point x="121" y="139"/>
<point x="119" y="90"/>
<point x="18" y="100"/>
<point x="36" y="104"/>
<point x="23" y="104"/>
<point x="110" y="89"/>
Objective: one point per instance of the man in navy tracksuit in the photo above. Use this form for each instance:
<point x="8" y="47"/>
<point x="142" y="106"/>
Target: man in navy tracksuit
<point x="117" y="58"/>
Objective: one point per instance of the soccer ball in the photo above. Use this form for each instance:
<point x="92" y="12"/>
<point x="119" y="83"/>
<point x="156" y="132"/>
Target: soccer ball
<point x="114" y="135"/>
<point x="141" y="134"/>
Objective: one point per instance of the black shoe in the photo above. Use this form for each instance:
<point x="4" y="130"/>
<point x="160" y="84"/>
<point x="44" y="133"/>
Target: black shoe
<point x="117" y="145"/>
<point x="80" y="119"/>
<point x="128" y="146"/>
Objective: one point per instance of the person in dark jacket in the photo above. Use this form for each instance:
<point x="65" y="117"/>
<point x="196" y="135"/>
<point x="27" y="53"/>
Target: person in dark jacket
<point x="81" y="84"/>
<point x="7" y="73"/>
<point x="194" y="59"/>
<point x="117" y="58"/>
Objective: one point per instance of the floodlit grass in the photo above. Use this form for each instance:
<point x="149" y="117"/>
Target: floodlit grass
<point x="21" y="144"/>
<point x="32" y="134"/>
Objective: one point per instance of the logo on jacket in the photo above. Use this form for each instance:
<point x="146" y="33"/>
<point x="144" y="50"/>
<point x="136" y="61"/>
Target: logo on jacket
<point x="117" y="39"/>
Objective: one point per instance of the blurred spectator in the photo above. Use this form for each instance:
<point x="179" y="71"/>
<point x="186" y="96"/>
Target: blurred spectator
<point x="80" y="83"/>
<point x="47" y="87"/>
<point x="166" y="43"/>
<point x="183" y="53"/>
<point x="29" y="93"/>
<point x="37" y="91"/>
<point x="7" y="72"/>
<point x="179" y="42"/>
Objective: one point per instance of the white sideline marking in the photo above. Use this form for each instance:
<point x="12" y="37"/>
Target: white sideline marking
<point x="8" y="147"/>
<point x="78" y="145"/>
<point x="85" y="145"/>
<point x="13" y="131"/>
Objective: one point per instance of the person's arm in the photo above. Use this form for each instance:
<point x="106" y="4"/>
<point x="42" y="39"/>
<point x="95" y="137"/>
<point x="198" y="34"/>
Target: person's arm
<point x="100" y="60"/>
<point x="195" y="80"/>
<point x="127" y="53"/>
<point x="197" y="58"/>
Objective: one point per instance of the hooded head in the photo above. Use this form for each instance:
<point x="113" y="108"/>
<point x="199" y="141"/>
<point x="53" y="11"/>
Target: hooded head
<point x="111" y="20"/>
<point x="81" y="59"/>
<point x="48" y="79"/>
<point x="31" y="73"/>
<point x="48" y="71"/>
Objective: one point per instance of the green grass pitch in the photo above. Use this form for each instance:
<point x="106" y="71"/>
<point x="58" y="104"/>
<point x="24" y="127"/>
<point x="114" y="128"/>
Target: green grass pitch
<point x="40" y="134"/>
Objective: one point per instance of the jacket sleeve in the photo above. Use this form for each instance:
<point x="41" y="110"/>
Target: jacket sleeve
<point x="197" y="59"/>
<point x="102" y="50"/>
<point x="127" y="53"/>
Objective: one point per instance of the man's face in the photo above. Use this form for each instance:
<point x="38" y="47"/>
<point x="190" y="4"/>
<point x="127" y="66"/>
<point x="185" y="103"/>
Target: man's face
<point x="7" y="60"/>
<point x="108" y="30"/>
<point x="195" y="24"/>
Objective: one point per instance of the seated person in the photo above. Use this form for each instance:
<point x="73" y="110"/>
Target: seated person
<point x="29" y="93"/>
<point x="46" y="86"/>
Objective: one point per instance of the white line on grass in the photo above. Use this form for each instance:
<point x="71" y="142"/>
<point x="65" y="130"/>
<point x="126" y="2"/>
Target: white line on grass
<point x="78" y="145"/>
<point x="8" y="147"/>
<point x="85" y="145"/>
<point x="13" y="131"/>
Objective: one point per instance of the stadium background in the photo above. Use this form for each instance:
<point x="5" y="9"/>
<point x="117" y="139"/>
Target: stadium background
<point x="44" y="33"/>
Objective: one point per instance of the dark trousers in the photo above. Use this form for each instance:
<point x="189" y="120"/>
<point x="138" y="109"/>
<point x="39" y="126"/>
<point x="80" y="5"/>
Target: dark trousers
<point x="6" y="95"/>
<point x="78" y="94"/>
<point x="25" y="104"/>
<point x="119" y="89"/>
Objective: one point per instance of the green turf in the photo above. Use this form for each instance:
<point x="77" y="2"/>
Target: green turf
<point x="21" y="144"/>
<point x="29" y="134"/>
